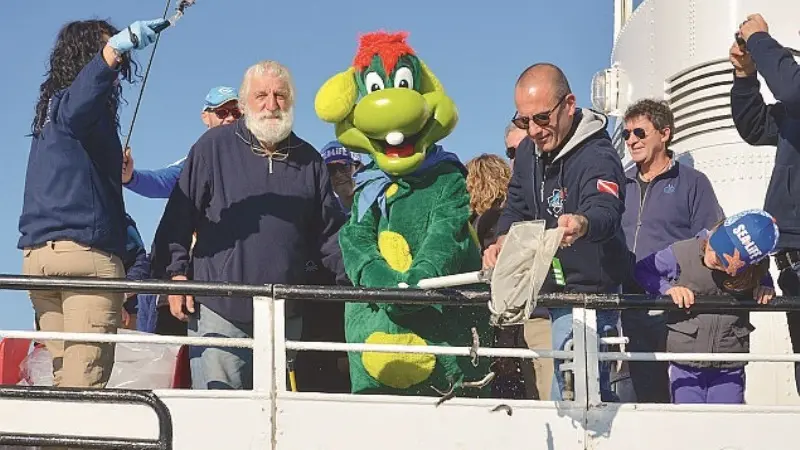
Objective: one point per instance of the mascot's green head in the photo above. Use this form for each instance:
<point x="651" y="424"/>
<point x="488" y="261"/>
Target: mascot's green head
<point x="388" y="104"/>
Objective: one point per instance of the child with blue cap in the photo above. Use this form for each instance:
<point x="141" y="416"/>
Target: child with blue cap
<point x="731" y="258"/>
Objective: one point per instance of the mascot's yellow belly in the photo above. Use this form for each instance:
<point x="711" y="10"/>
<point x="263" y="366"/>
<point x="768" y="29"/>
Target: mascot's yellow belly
<point x="398" y="370"/>
<point x="395" y="250"/>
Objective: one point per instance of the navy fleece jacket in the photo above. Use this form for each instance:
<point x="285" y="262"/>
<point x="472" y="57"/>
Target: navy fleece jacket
<point x="774" y="125"/>
<point x="73" y="189"/>
<point x="258" y="220"/>
<point x="585" y="177"/>
<point x="677" y="205"/>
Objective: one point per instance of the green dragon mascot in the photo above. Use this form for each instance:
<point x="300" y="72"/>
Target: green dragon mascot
<point x="409" y="221"/>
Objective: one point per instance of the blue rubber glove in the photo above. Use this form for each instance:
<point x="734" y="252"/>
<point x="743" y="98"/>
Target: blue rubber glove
<point x="137" y="35"/>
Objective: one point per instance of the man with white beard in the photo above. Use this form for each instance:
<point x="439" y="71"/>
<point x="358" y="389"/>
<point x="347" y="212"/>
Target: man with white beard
<point x="262" y="204"/>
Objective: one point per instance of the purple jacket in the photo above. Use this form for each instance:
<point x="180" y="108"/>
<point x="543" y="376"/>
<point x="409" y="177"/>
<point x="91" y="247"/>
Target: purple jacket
<point x="678" y="204"/>
<point x="658" y="272"/>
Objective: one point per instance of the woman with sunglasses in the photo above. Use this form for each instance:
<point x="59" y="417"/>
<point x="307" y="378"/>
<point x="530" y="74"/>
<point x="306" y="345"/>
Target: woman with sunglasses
<point x="221" y="107"/>
<point x="73" y="216"/>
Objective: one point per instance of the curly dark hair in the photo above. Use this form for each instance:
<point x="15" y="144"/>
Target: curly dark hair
<point x="657" y="112"/>
<point x="77" y="43"/>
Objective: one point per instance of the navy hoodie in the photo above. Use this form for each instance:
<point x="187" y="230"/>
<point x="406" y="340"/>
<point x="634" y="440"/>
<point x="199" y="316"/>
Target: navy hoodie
<point x="774" y="125"/>
<point x="73" y="187"/>
<point x="259" y="220"/>
<point x="584" y="177"/>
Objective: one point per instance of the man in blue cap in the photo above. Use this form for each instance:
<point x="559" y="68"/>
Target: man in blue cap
<point x="221" y="107"/>
<point x="342" y="165"/>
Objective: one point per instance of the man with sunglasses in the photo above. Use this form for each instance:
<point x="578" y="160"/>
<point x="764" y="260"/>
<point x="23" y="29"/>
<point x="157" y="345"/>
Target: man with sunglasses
<point x="777" y="125"/>
<point x="514" y="135"/>
<point x="221" y="107"/>
<point x="665" y="202"/>
<point x="342" y="164"/>
<point x="567" y="173"/>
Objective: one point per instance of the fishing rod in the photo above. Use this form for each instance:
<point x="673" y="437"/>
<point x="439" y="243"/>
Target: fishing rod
<point x="179" y="11"/>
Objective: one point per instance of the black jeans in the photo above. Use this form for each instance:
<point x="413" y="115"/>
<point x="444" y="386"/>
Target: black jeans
<point x="647" y="333"/>
<point x="789" y="282"/>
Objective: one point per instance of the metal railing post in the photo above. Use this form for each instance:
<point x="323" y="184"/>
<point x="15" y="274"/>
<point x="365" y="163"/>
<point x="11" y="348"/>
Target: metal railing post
<point x="579" y="364"/>
<point x="263" y="344"/>
<point x="592" y="360"/>
<point x="279" y="339"/>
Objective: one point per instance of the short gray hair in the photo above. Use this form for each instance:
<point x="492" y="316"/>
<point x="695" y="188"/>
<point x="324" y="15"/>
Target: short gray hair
<point x="271" y="67"/>
<point x="509" y="128"/>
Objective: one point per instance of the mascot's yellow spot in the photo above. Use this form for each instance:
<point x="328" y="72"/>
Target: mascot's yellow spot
<point x="398" y="370"/>
<point x="395" y="250"/>
<point x="392" y="189"/>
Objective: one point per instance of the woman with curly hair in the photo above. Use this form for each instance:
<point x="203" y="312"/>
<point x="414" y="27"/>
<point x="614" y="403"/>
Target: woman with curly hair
<point x="73" y="217"/>
<point x="487" y="184"/>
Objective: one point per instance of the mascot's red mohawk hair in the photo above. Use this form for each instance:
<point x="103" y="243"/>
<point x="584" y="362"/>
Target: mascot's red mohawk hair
<point x="389" y="46"/>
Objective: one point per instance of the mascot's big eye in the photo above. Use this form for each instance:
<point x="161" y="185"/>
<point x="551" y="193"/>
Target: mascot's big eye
<point x="403" y="78"/>
<point x="373" y="81"/>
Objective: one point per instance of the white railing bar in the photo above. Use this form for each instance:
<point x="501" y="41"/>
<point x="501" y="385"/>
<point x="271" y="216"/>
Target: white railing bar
<point x="428" y="349"/>
<point x="41" y="336"/>
<point x="615" y="340"/>
<point x="647" y="356"/>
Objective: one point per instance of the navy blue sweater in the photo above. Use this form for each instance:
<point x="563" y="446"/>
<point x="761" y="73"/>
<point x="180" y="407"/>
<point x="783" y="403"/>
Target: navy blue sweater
<point x="73" y="187"/>
<point x="677" y="205"/>
<point x="586" y="177"/>
<point x="257" y="221"/>
<point x="774" y="125"/>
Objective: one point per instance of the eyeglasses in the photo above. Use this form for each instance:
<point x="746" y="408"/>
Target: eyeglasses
<point x="638" y="132"/>
<point x="511" y="152"/>
<point x="541" y="119"/>
<point x="222" y="113"/>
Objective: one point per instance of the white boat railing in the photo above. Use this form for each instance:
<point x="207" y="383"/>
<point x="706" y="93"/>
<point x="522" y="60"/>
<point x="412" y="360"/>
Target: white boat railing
<point x="270" y="344"/>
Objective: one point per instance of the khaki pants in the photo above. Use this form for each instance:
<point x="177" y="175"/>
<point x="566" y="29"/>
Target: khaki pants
<point x="538" y="337"/>
<point x="76" y="364"/>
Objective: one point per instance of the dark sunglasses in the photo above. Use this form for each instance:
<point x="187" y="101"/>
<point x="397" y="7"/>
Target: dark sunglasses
<point x="541" y="119"/>
<point x="638" y="132"/>
<point x="511" y="152"/>
<point x="222" y="113"/>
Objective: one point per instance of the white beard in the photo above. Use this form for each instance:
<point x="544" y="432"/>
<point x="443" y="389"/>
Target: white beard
<point x="267" y="130"/>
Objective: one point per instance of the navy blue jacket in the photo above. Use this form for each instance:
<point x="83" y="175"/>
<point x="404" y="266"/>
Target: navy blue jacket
<point x="73" y="187"/>
<point x="774" y="125"/>
<point x="678" y="204"/>
<point x="258" y="220"/>
<point x="585" y="177"/>
<point x="136" y="261"/>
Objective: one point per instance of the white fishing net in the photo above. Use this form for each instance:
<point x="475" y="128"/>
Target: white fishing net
<point x="521" y="269"/>
<point x="522" y="266"/>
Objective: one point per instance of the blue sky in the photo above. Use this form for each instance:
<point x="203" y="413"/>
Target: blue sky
<point x="477" y="52"/>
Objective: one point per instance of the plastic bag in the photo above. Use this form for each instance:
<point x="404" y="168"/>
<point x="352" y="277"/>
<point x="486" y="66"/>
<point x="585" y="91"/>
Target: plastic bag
<point x="136" y="366"/>
<point x="143" y="366"/>
<point x="37" y="368"/>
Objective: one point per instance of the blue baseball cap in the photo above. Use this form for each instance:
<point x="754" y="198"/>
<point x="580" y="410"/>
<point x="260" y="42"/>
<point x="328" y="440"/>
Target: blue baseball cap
<point x="335" y="153"/>
<point x="745" y="239"/>
<point x="218" y="96"/>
